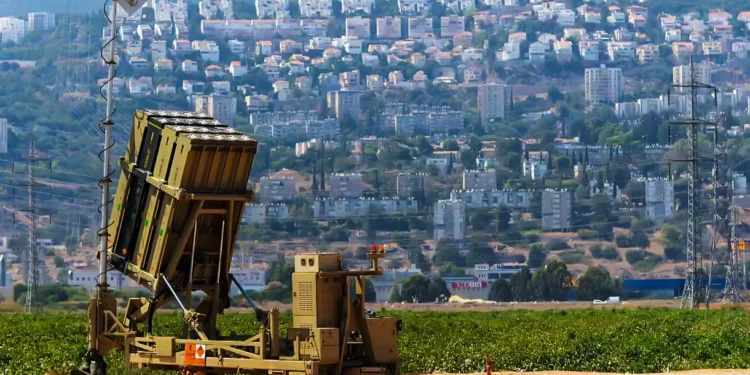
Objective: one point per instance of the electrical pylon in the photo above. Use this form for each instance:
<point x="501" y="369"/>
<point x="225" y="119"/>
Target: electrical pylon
<point x="693" y="249"/>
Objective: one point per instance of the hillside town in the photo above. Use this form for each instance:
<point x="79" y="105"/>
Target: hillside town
<point x="473" y="139"/>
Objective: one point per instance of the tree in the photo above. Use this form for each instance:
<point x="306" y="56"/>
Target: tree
<point x="520" y="285"/>
<point x="450" y="270"/>
<point x="447" y="252"/>
<point x="537" y="255"/>
<point x="500" y="291"/>
<point x="438" y="289"/>
<point x="502" y="219"/>
<point x="640" y="240"/>
<point x="415" y="288"/>
<point x="423" y="146"/>
<point x="480" y="219"/>
<point x="394" y="263"/>
<point x="450" y="144"/>
<point x="480" y="253"/>
<point x="596" y="283"/>
<point x="417" y="258"/>
<point x="550" y="283"/>
<point x="394" y="297"/>
<point x="555" y="95"/>
<point x="371" y="294"/>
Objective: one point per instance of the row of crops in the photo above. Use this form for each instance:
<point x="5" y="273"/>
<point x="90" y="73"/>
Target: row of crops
<point x="639" y="340"/>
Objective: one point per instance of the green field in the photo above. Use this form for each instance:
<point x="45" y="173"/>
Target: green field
<point x="638" y="340"/>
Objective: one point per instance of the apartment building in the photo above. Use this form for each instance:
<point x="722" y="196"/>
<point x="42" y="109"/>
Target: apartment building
<point x="450" y="26"/>
<point x="602" y="85"/>
<point x="514" y="200"/>
<point x="556" y="210"/>
<point x="449" y="220"/>
<point x="208" y="50"/>
<point x="261" y="212"/>
<point x="344" y="103"/>
<point x="419" y="27"/>
<point x="647" y="53"/>
<point x="310" y="129"/>
<point x="316" y="8"/>
<point x="354" y="6"/>
<point x="358" y="27"/>
<point x="325" y="208"/>
<point x="388" y="27"/>
<point x="493" y="101"/>
<point x="413" y="7"/>
<point x="345" y="185"/>
<point x="479" y="179"/>
<point x="659" y="199"/>
<point x="41" y="21"/>
<point x="12" y="29"/>
<point x="272" y="9"/>
<point x="276" y="189"/>
<point x="280" y="117"/>
<point x="536" y="165"/>
<point x="412" y="185"/>
<point x="223" y="108"/>
<point x="682" y="75"/>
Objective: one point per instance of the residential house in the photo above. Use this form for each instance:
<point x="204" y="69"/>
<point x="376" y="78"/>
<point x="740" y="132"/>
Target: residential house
<point x="647" y="53"/>
<point x="189" y="66"/>
<point x="388" y="27"/>
<point x="214" y="71"/>
<point x="236" y="69"/>
<point x="358" y="27"/>
<point x="163" y="65"/>
<point x="538" y="52"/>
<point x="208" y="50"/>
<point x="563" y="50"/>
<point x="140" y="86"/>
<point x="682" y="50"/>
<point x="589" y="50"/>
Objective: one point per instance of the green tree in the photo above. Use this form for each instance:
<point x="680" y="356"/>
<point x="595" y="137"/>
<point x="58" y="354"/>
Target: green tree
<point x="500" y="291"/>
<point x="480" y="219"/>
<point x="596" y="283"/>
<point x="395" y="296"/>
<point x="450" y="144"/>
<point x="520" y="285"/>
<point x="447" y="252"/>
<point x="502" y="221"/>
<point x="537" y="255"/>
<point x="480" y="253"/>
<point x="550" y="282"/>
<point x="450" y="270"/>
<point x="438" y="289"/>
<point x="415" y="288"/>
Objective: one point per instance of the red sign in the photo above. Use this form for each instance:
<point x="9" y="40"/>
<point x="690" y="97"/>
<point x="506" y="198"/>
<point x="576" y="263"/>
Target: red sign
<point x="469" y="285"/>
<point x="195" y="355"/>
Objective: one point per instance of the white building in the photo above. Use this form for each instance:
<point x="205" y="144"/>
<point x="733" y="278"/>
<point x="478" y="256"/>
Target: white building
<point x="603" y="85"/>
<point x="87" y="278"/>
<point x="272" y="8"/>
<point x="681" y="75"/>
<point x="356" y="208"/>
<point x="493" y="100"/>
<point x="222" y="108"/>
<point x="659" y="199"/>
<point x="354" y="6"/>
<point x="345" y="185"/>
<point x="413" y="7"/>
<point x="492" y="273"/>
<point x="556" y="210"/>
<point x="208" y="49"/>
<point x="358" y="27"/>
<point x="739" y="184"/>
<point x="41" y="21"/>
<point x="536" y="166"/>
<point x="450" y="220"/>
<point x="514" y="200"/>
<point x="4" y="128"/>
<point x="479" y="179"/>
<point x="12" y="30"/>
<point x="316" y="8"/>
<point x="261" y="212"/>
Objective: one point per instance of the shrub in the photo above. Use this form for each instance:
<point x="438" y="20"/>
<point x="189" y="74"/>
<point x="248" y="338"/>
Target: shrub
<point x="624" y="240"/>
<point x="634" y="256"/>
<point x="531" y="237"/>
<point x="674" y="253"/>
<point x="610" y="252"/>
<point x="587" y="234"/>
<point x="557" y="245"/>
<point x="518" y="258"/>
<point x="573" y="257"/>
<point x="648" y="263"/>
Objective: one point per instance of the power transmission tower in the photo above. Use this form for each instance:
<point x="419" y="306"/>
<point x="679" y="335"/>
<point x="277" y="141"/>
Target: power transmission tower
<point x="721" y="195"/>
<point x="694" y="124"/>
<point x="33" y="262"/>
<point x="734" y="271"/>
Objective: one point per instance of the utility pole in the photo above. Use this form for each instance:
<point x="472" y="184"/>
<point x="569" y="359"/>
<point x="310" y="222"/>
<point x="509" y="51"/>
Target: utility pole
<point x="693" y="249"/>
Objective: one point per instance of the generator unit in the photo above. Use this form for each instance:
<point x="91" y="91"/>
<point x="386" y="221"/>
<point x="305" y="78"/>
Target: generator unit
<point x="174" y="224"/>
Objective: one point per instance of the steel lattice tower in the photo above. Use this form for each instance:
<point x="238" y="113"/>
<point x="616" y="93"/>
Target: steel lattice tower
<point x="693" y="249"/>
<point x="734" y="271"/>
<point x="32" y="260"/>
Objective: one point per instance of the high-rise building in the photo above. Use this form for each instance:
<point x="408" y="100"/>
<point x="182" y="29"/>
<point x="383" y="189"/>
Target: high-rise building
<point x="681" y="75"/>
<point x="412" y="185"/>
<point x="493" y="101"/>
<point x="450" y="219"/>
<point x="346" y="185"/>
<point x="556" y="210"/>
<point x="603" y="85"/>
<point x="12" y="30"/>
<point x="41" y="21"/>
<point x="223" y="108"/>
<point x="480" y="179"/>
<point x="344" y="102"/>
<point x="659" y="199"/>
<point x="4" y="135"/>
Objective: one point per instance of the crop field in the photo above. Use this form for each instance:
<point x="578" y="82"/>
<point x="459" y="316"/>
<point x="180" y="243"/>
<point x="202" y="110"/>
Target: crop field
<point x="636" y="340"/>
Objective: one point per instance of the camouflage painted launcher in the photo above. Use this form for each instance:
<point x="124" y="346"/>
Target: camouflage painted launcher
<point x="181" y="170"/>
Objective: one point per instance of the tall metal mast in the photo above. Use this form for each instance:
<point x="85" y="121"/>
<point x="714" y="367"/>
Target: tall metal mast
<point x="693" y="249"/>
<point x="734" y="271"/>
